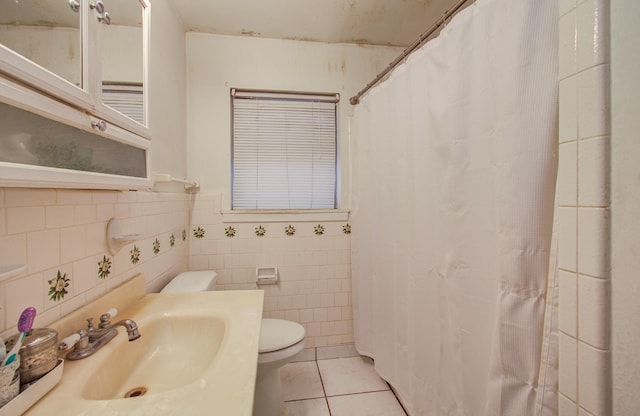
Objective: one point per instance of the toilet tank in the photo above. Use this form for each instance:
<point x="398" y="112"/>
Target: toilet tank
<point x="200" y="281"/>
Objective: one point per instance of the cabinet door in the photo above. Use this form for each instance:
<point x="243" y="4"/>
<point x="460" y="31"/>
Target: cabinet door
<point x="121" y="65"/>
<point x="45" y="143"/>
<point x="89" y="53"/>
<point x="41" y="43"/>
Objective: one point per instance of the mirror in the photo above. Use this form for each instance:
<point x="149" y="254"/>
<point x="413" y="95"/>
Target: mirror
<point x="123" y="58"/>
<point x="45" y="32"/>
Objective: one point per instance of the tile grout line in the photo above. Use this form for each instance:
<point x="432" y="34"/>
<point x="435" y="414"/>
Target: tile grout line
<point x="326" y="399"/>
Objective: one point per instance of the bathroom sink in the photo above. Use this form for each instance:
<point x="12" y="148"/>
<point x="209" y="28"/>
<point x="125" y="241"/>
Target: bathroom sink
<point x="197" y="352"/>
<point x="174" y="352"/>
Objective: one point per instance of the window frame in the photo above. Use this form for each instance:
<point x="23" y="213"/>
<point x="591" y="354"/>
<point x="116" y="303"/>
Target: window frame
<point x="279" y="214"/>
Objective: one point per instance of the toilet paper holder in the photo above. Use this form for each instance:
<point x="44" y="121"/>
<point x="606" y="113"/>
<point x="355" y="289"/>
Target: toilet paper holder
<point x="266" y="275"/>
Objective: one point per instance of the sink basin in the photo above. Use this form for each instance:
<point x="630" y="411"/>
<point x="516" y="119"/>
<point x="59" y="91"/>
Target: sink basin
<point x="197" y="352"/>
<point x="174" y="352"/>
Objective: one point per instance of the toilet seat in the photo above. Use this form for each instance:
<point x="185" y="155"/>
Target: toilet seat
<point x="278" y="334"/>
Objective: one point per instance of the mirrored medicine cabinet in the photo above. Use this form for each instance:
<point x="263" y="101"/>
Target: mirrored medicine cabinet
<point x="80" y="68"/>
<point x="90" y="53"/>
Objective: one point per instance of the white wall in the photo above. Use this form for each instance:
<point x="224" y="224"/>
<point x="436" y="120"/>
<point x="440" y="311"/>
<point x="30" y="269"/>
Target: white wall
<point x="625" y="226"/>
<point x="217" y="63"/>
<point x="315" y="270"/>
<point x="167" y="93"/>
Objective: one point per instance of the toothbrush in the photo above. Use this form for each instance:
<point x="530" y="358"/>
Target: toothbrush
<point x="24" y="325"/>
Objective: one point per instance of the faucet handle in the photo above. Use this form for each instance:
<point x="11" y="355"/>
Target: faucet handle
<point x="69" y="341"/>
<point x="105" y="318"/>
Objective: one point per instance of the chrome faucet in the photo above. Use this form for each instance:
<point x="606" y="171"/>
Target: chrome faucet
<point x="92" y="338"/>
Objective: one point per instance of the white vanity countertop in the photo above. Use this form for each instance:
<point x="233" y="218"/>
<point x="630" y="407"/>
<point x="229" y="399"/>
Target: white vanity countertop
<point x="226" y="387"/>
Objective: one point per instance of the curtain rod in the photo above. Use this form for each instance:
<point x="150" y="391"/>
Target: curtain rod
<point x="355" y="100"/>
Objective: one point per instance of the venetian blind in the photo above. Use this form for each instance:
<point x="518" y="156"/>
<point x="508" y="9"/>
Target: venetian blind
<point x="125" y="98"/>
<point x="284" y="150"/>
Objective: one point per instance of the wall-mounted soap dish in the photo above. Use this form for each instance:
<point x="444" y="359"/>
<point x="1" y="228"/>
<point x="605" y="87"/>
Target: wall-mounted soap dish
<point x="115" y="238"/>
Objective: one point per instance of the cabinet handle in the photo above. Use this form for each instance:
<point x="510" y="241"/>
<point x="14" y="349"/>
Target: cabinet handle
<point x="98" y="5"/>
<point x="105" y="18"/>
<point x="100" y="125"/>
<point x="75" y="6"/>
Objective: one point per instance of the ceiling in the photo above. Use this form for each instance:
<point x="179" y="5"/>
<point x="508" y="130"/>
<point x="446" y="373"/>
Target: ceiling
<point x="377" y="22"/>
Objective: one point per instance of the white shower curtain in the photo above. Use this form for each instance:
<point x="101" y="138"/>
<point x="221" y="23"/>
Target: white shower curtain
<point x="454" y="167"/>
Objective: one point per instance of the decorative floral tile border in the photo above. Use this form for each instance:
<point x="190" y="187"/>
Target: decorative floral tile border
<point x="156" y="246"/>
<point x="58" y="286"/>
<point x="134" y="255"/>
<point x="261" y="231"/>
<point x="199" y="232"/>
<point x="104" y="267"/>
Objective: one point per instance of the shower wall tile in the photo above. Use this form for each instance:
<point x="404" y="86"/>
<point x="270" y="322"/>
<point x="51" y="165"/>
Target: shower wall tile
<point x="568" y="311"/>
<point x="593" y="311"/>
<point x="593" y="242"/>
<point x="593" y="102"/>
<point x="63" y="231"/>
<point x="568" y="123"/>
<point x="594" y="379"/>
<point x="593" y="168"/>
<point x="568" y="174"/>
<point x="568" y="32"/>
<point x="584" y="199"/>
<point x="568" y="366"/>
<point x="567" y="250"/>
<point x="593" y="36"/>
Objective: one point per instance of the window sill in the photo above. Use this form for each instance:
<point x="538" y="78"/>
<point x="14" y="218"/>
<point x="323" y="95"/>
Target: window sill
<point x="285" y="215"/>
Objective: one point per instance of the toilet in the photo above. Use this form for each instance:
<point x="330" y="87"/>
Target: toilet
<point x="280" y="340"/>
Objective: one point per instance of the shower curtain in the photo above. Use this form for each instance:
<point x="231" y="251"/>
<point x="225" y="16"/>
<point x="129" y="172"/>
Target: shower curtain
<point x="454" y="168"/>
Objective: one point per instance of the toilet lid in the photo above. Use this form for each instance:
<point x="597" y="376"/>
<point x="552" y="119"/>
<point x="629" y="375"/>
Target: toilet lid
<point x="277" y="334"/>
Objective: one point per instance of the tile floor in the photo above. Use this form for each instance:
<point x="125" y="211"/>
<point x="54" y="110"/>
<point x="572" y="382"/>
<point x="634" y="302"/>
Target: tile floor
<point x="336" y="382"/>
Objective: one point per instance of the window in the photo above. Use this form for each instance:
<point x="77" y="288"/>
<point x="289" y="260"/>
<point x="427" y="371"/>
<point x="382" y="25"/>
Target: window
<point x="284" y="150"/>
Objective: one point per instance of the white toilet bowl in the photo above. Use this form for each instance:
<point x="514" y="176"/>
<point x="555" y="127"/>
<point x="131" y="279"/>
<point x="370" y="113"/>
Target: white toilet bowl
<point x="279" y="341"/>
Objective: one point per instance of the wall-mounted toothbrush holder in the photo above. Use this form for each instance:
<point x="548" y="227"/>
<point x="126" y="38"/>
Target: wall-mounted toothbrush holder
<point x="266" y="275"/>
<point x="115" y="238"/>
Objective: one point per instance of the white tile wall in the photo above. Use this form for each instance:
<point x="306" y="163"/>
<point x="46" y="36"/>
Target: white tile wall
<point x="53" y="230"/>
<point x="315" y="270"/>
<point x="584" y="198"/>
